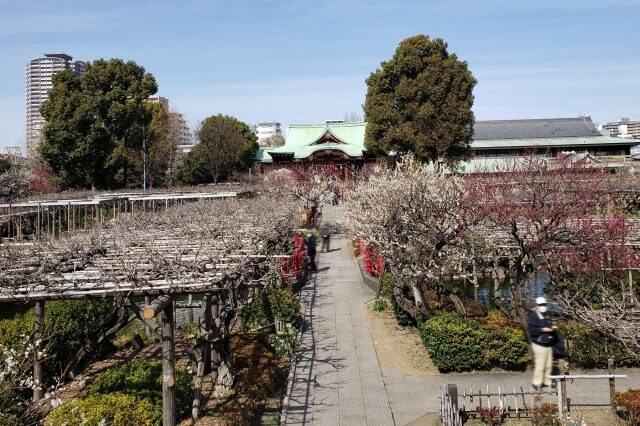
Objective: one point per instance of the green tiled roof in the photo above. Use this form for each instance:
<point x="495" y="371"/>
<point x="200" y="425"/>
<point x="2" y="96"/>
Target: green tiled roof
<point x="303" y="140"/>
<point x="550" y="142"/>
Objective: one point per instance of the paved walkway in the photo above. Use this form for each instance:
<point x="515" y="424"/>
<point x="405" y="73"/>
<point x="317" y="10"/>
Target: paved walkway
<point x="338" y="381"/>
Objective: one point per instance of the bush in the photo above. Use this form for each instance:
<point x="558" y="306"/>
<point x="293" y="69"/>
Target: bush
<point x="71" y="323"/>
<point x="454" y="343"/>
<point x="544" y="413"/>
<point x="113" y="410"/>
<point x="142" y="379"/>
<point x="401" y="316"/>
<point x="630" y="401"/>
<point x="505" y="347"/>
<point x="379" y="305"/>
<point x="584" y="353"/>
<point x="258" y="312"/>
<point x="284" y="306"/>
<point x="386" y="284"/>
<point x="285" y="342"/>
<point x="457" y="343"/>
<point x="68" y="323"/>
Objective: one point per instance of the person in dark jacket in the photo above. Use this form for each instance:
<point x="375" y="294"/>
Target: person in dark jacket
<point x="311" y="251"/>
<point x="541" y="331"/>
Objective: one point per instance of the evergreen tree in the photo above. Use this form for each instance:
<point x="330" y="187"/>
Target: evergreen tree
<point x="225" y="145"/>
<point x="420" y="102"/>
<point x="92" y="133"/>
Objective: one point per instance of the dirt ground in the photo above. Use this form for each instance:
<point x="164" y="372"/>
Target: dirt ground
<point x="259" y="386"/>
<point x="398" y="348"/>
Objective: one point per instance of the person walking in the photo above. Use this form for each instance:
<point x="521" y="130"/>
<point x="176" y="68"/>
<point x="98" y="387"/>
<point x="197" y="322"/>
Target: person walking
<point x="311" y="251"/>
<point x="325" y="233"/>
<point x="542" y="332"/>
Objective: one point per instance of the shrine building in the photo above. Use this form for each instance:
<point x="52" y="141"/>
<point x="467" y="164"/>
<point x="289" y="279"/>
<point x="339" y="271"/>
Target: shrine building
<point x="333" y="143"/>
<point x="495" y="142"/>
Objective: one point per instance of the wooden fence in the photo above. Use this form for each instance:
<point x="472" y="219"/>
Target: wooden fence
<point x="456" y="407"/>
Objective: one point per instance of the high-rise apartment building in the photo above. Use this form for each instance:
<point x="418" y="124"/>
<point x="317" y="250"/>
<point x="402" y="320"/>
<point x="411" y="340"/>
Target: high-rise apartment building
<point x="38" y="80"/>
<point x="186" y="140"/>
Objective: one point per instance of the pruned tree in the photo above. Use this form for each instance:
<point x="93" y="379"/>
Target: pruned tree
<point x="14" y="184"/>
<point x="550" y="216"/>
<point x="415" y="218"/>
<point x="274" y="140"/>
<point x="310" y="186"/>
<point x="420" y="102"/>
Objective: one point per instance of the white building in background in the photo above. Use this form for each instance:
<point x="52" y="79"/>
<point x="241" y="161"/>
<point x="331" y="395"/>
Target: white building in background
<point x="38" y="80"/>
<point x="266" y="130"/>
<point x="160" y="100"/>
<point x="624" y="128"/>
<point x="186" y="139"/>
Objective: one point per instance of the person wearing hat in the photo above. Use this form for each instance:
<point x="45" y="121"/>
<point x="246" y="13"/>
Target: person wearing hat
<point x="541" y="331"/>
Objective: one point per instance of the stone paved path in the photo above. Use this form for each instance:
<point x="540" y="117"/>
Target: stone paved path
<point x="338" y="381"/>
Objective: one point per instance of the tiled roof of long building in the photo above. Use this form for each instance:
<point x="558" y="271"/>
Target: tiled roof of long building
<point x="535" y="128"/>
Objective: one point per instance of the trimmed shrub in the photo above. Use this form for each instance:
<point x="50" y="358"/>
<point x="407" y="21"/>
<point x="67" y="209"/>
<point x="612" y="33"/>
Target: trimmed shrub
<point x="455" y="343"/>
<point x="505" y="347"/>
<point x="142" y="379"/>
<point x="284" y="306"/>
<point x="113" y="410"/>
<point x="585" y="354"/>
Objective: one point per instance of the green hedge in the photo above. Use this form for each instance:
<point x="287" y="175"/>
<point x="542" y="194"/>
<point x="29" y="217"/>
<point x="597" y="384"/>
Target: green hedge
<point x="589" y="349"/>
<point x="505" y="347"/>
<point x="100" y="410"/>
<point x="454" y="343"/>
<point x="457" y="343"/>
<point x="142" y="378"/>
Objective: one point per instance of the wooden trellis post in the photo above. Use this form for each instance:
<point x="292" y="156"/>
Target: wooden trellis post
<point x="38" y="387"/>
<point x="165" y="304"/>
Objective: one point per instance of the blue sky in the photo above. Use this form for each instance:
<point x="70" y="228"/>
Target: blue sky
<point x="302" y="61"/>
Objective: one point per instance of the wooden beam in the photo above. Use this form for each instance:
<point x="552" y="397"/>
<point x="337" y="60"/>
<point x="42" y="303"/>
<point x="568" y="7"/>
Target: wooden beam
<point x="38" y="387"/>
<point x="168" y="367"/>
<point x="157" y="306"/>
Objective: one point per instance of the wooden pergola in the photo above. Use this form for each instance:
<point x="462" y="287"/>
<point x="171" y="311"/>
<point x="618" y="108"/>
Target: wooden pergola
<point x="58" y="215"/>
<point x="225" y="250"/>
